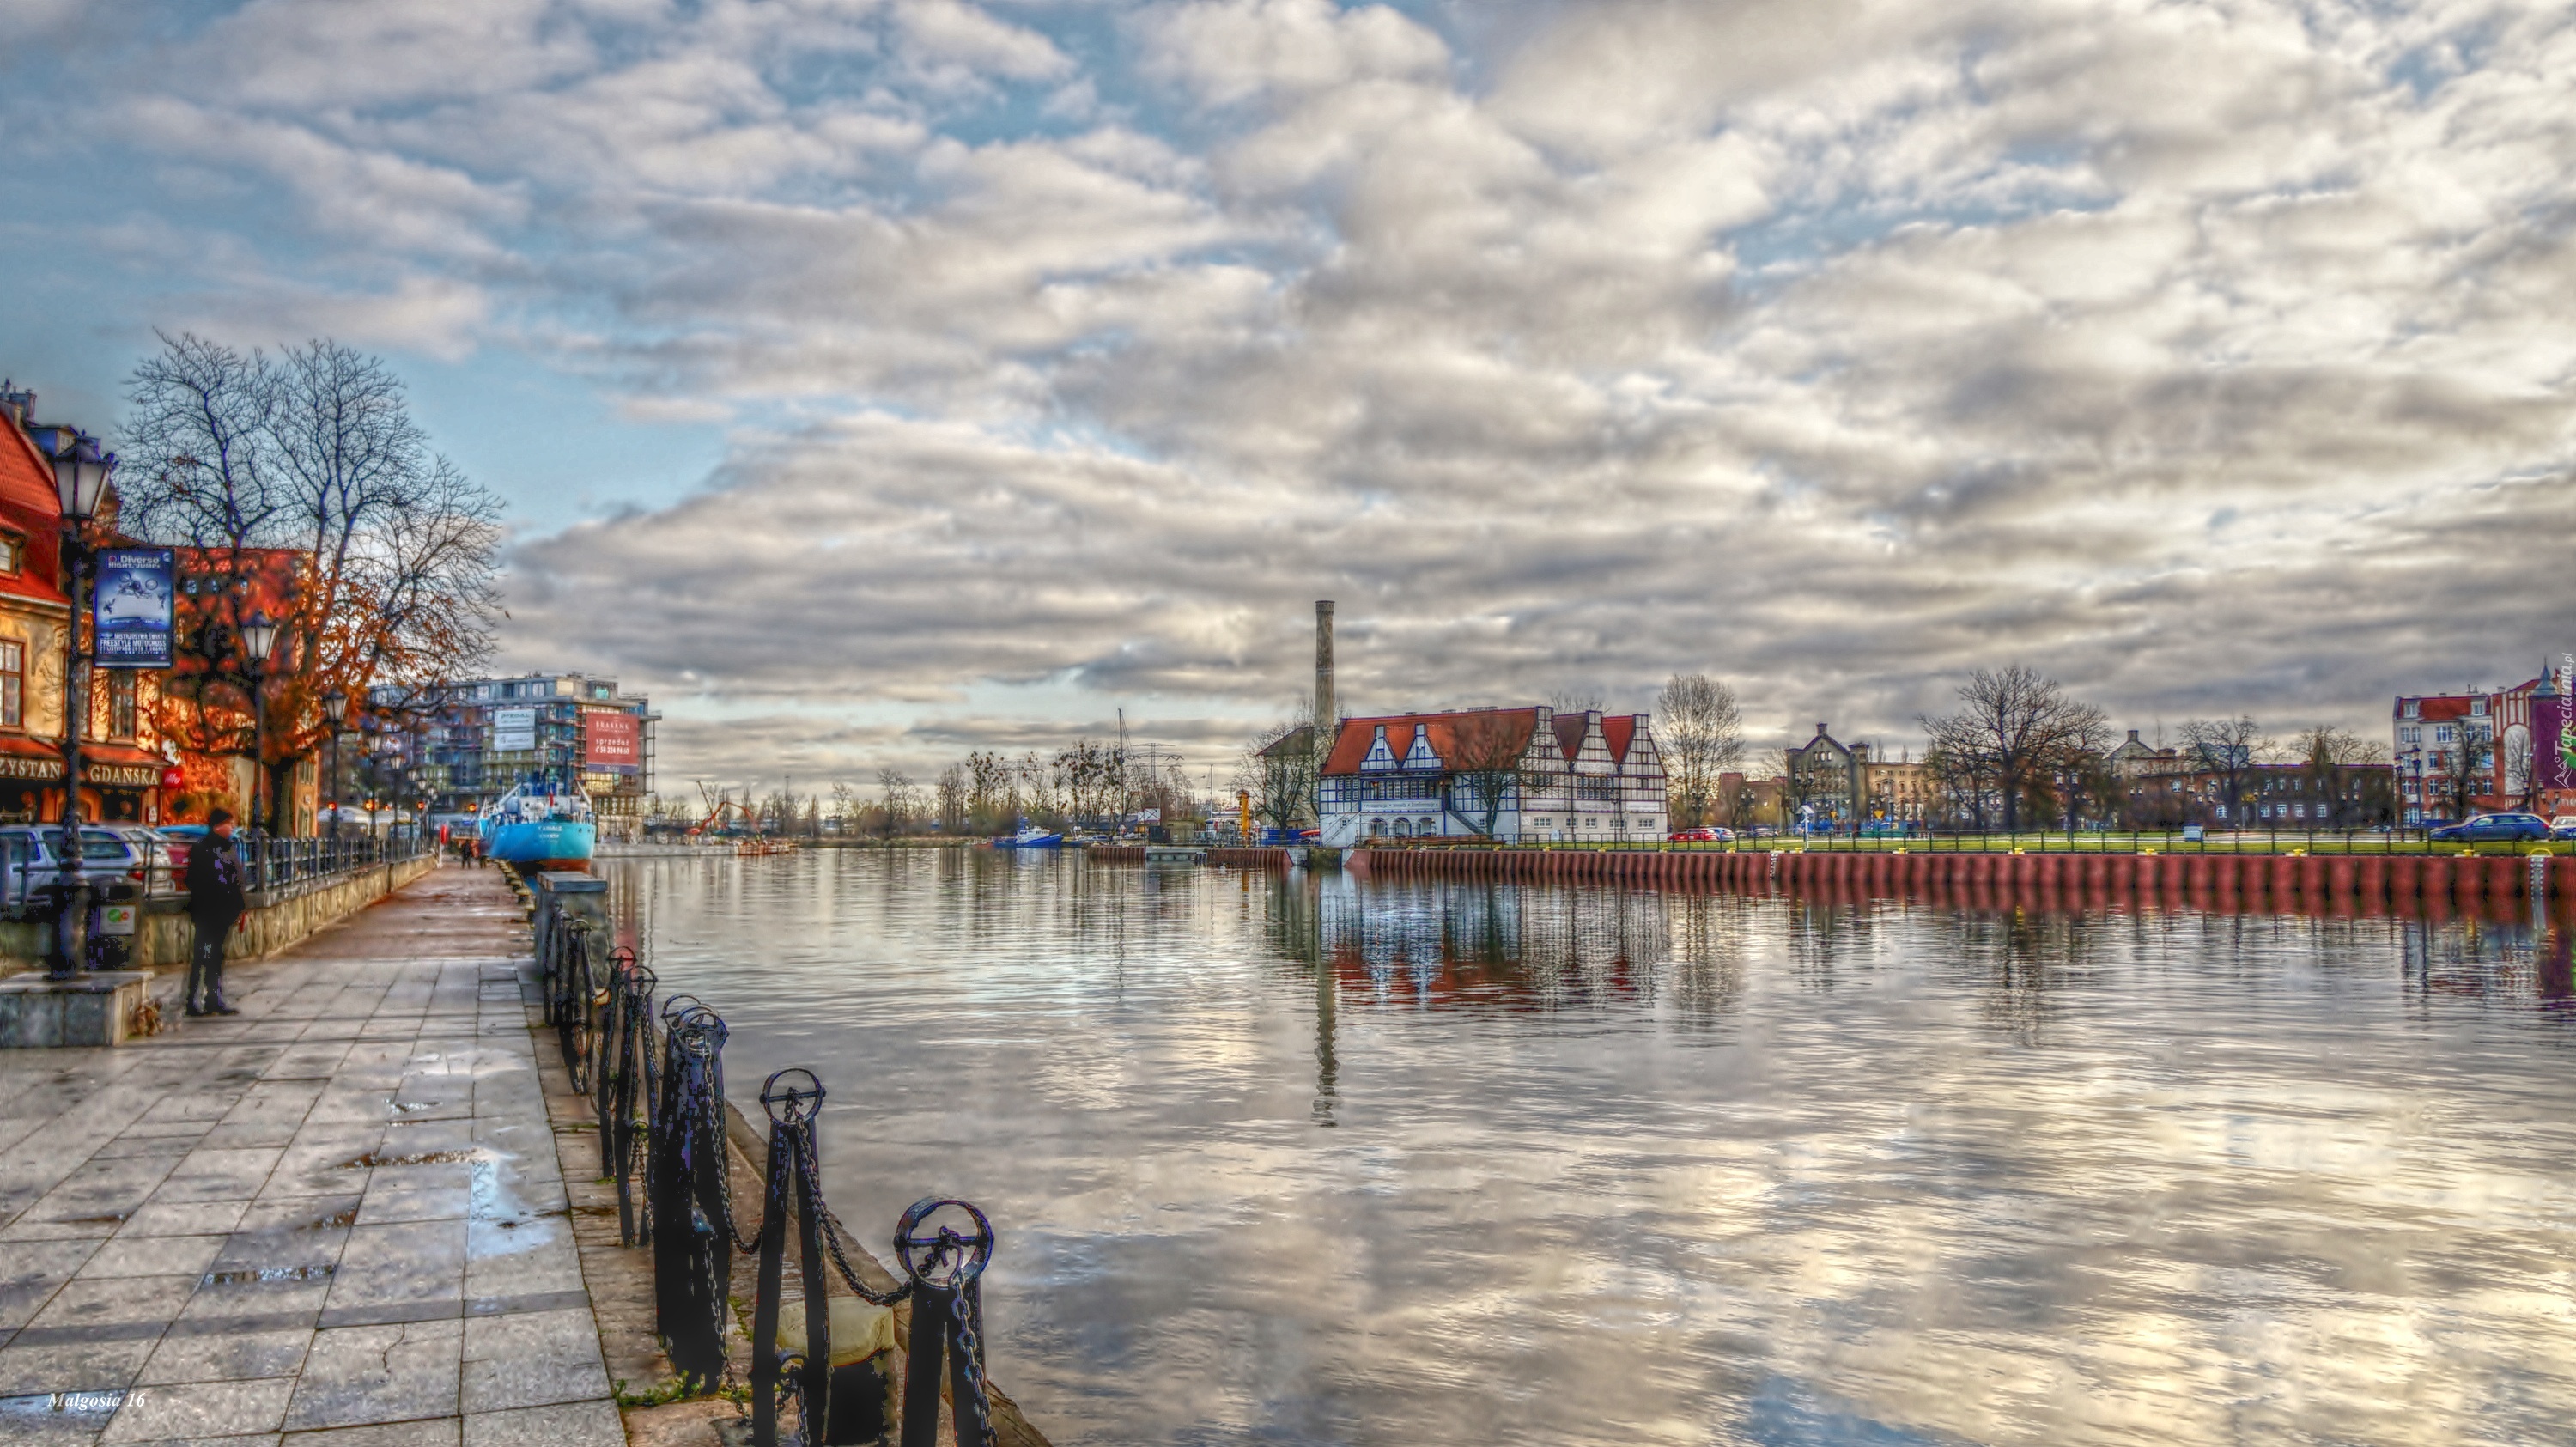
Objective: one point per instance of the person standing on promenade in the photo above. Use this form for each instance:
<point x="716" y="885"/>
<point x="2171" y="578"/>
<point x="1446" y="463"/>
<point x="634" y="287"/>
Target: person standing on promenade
<point x="215" y="901"/>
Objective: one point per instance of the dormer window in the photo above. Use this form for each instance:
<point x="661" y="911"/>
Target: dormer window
<point x="2478" y="706"/>
<point x="13" y="555"/>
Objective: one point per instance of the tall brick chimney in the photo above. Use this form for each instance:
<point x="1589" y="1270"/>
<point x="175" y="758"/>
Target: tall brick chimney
<point x="1324" y="716"/>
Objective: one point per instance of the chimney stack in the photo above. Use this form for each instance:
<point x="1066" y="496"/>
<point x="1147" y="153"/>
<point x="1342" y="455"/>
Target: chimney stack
<point x="1324" y="716"/>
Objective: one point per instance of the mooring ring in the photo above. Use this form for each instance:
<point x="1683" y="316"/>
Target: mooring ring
<point x="952" y="1260"/>
<point x="679" y="1005"/>
<point x="792" y="1104"/>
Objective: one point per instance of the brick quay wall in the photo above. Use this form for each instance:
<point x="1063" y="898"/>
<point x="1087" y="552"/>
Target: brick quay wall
<point x="2402" y="883"/>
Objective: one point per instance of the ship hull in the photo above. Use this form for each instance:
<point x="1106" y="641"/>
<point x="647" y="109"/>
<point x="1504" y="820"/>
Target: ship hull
<point x="542" y="843"/>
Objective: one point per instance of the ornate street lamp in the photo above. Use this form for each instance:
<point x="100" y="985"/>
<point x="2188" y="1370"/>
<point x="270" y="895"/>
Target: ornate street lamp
<point x="258" y="635"/>
<point x="80" y="482"/>
<point x="335" y="706"/>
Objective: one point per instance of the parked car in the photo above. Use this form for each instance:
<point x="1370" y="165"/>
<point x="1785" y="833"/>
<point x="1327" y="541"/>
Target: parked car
<point x="108" y="858"/>
<point x="2488" y="828"/>
<point x="2563" y="827"/>
<point x="1706" y="834"/>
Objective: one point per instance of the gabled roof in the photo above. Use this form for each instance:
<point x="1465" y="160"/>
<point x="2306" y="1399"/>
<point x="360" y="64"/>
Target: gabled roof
<point x="30" y="508"/>
<point x="1619" y="729"/>
<point x="1351" y="745"/>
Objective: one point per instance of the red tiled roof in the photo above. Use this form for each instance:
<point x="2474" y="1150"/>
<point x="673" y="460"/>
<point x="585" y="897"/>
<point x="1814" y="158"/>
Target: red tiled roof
<point x="1569" y="733"/>
<point x="2446" y="708"/>
<point x="1619" y="729"/>
<point x="1352" y="744"/>
<point x="28" y="507"/>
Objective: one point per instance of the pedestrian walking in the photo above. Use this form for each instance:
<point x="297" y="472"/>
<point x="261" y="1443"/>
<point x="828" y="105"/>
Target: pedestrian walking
<point x="215" y="902"/>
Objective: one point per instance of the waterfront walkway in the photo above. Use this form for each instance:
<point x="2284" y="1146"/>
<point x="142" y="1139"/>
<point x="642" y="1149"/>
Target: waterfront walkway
<point x="336" y="1219"/>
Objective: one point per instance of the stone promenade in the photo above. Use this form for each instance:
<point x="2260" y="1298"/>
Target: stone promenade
<point x="336" y="1219"/>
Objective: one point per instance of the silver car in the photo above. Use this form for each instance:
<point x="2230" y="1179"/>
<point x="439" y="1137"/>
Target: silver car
<point x="108" y="858"/>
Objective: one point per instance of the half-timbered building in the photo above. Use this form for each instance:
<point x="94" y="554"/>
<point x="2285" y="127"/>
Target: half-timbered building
<point x="1585" y="777"/>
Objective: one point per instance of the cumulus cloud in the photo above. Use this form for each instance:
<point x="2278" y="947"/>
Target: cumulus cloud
<point x="2210" y="357"/>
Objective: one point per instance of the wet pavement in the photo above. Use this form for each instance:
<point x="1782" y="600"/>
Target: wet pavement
<point x="336" y="1219"/>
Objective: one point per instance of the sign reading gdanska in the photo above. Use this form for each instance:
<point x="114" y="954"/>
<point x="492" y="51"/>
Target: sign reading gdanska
<point x="131" y="608"/>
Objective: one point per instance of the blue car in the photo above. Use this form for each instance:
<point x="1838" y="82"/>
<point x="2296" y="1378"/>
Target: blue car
<point x="2493" y="828"/>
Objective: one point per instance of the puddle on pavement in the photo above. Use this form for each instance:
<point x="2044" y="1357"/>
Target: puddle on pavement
<point x="426" y="1158"/>
<point x="406" y="1107"/>
<point x="245" y="1275"/>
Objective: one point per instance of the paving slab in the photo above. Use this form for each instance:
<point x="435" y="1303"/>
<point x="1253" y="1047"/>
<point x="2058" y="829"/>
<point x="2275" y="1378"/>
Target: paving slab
<point x="336" y="1219"/>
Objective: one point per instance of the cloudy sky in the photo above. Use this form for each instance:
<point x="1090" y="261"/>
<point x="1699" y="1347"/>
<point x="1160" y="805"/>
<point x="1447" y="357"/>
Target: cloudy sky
<point x="876" y="379"/>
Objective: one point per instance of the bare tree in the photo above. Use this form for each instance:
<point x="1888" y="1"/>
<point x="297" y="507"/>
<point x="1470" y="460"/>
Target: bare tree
<point x="895" y="790"/>
<point x="1576" y="700"/>
<point x="845" y="808"/>
<point x="315" y="451"/>
<point x="1279" y="771"/>
<point x="2228" y="751"/>
<point x="992" y="792"/>
<point x="2017" y="732"/>
<point x="2465" y="764"/>
<point x="1489" y="768"/>
<point x="953" y="790"/>
<point x="1701" y="732"/>
<point x="2345" y="773"/>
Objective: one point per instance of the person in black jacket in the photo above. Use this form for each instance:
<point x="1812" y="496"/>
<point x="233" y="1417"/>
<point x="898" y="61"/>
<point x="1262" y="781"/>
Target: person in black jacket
<point x="215" y="902"/>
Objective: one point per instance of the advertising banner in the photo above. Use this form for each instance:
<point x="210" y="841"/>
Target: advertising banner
<point x="514" y="728"/>
<point x="611" y="740"/>
<point x="131" y="607"/>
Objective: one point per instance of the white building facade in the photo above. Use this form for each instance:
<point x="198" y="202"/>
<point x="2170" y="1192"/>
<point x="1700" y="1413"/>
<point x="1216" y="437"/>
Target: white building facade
<point x="1581" y="778"/>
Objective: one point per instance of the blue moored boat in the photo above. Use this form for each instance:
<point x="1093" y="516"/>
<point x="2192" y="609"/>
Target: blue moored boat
<point x="1030" y="837"/>
<point x="539" y="825"/>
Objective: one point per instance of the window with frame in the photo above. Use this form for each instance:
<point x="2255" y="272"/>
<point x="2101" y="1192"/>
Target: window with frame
<point x="13" y="683"/>
<point x="120" y="704"/>
<point x="13" y="554"/>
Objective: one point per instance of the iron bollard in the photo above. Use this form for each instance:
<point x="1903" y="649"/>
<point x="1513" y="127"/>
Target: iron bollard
<point x="625" y="1081"/>
<point x="947" y="1320"/>
<point x="688" y="1208"/>
<point x="791" y="1108"/>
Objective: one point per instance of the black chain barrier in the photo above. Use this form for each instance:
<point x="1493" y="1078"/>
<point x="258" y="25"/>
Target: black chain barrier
<point x="687" y="1218"/>
<point x="626" y="1078"/>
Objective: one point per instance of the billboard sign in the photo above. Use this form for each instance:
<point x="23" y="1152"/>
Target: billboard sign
<point x="514" y="729"/>
<point x="611" y="740"/>
<point x="131" y="607"/>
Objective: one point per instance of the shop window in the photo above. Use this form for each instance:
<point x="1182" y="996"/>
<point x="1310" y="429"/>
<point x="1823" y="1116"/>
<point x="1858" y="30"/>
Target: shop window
<point x="120" y="704"/>
<point x="13" y="685"/>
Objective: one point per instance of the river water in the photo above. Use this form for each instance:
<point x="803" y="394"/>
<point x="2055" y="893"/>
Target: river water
<point x="1314" y="1159"/>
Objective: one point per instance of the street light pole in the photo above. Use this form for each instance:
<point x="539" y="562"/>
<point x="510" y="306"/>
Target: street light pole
<point x="259" y="635"/>
<point x="80" y="480"/>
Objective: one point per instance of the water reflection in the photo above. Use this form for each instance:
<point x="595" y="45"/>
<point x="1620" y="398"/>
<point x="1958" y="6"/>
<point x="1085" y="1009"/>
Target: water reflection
<point x="1318" y="1159"/>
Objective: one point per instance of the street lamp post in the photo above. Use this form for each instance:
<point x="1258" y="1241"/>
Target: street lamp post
<point x="259" y="635"/>
<point x="80" y="481"/>
<point x="334" y="704"/>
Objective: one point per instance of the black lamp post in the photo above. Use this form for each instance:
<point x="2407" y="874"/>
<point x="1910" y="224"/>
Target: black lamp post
<point x="259" y="635"/>
<point x="80" y="481"/>
<point x="334" y="707"/>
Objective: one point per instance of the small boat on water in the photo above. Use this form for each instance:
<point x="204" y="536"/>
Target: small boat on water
<point x="1030" y="836"/>
<point x="539" y="825"/>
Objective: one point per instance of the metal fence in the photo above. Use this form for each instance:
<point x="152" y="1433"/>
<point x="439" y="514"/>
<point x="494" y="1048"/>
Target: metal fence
<point x="143" y="867"/>
<point x="656" y="1082"/>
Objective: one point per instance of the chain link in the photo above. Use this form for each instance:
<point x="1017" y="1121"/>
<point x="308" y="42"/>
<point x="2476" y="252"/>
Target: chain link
<point x="813" y="1177"/>
<point x="969" y="1346"/>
